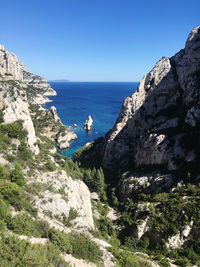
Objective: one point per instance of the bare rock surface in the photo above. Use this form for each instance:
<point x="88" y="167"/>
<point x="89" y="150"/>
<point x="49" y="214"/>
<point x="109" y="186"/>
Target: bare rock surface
<point x="54" y="113"/>
<point x="64" y="139"/>
<point x="76" y="195"/>
<point x="13" y="69"/>
<point x="88" y="123"/>
<point x="148" y="183"/>
<point x="160" y="115"/>
<point x="15" y="108"/>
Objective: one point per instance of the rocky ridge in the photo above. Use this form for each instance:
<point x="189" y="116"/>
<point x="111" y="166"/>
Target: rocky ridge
<point x="155" y="121"/>
<point x="13" y="69"/>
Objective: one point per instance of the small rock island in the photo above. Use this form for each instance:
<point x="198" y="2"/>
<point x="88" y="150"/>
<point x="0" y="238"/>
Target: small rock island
<point x="88" y="123"/>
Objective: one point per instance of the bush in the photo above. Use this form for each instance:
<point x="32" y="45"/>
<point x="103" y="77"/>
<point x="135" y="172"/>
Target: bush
<point x="3" y="172"/>
<point x="24" y="224"/>
<point x="24" y="152"/>
<point x="60" y="240"/>
<point x="84" y="248"/>
<point x="12" y="193"/>
<point x="183" y="262"/>
<point x="16" y="252"/>
<point x="3" y="210"/>
<point x="17" y="175"/>
<point x="14" y="130"/>
<point x="49" y="166"/>
<point x="125" y="258"/>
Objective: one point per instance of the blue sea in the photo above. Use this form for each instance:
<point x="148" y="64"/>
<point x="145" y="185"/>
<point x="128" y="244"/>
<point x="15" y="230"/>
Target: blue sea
<point x="75" y="101"/>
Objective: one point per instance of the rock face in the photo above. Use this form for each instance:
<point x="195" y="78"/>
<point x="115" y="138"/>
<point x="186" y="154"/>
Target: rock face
<point x="76" y="196"/>
<point x="64" y="139"/>
<point x="88" y="123"/>
<point x="12" y="68"/>
<point x="15" y="107"/>
<point x="180" y="238"/>
<point x="54" y="113"/>
<point x="155" y="121"/>
<point x="148" y="183"/>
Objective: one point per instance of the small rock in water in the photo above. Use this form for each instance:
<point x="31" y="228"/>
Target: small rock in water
<point x="75" y="125"/>
<point x="88" y="123"/>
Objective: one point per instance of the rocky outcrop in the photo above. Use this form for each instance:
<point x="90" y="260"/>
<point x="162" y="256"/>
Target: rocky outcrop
<point x="180" y="238"/>
<point x="65" y="138"/>
<point x="10" y="65"/>
<point x="88" y="123"/>
<point x="148" y="183"/>
<point x="65" y="194"/>
<point x="155" y="121"/>
<point x="13" y="69"/>
<point x="54" y="113"/>
<point x="15" y="107"/>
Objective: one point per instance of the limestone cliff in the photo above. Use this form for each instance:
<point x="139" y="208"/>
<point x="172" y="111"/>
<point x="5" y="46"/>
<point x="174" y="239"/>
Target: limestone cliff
<point x="13" y="69"/>
<point x="159" y="123"/>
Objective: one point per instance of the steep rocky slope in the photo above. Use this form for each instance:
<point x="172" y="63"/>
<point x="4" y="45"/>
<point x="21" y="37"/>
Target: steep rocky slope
<point x="159" y="123"/>
<point x="151" y="158"/>
<point x="13" y="69"/>
<point x="45" y="207"/>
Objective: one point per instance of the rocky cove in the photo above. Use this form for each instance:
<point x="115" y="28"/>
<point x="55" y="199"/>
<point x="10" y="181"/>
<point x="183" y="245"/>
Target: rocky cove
<point x="130" y="198"/>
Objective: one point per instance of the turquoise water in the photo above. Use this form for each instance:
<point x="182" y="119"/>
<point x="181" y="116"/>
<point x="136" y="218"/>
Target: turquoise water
<point x="75" y="101"/>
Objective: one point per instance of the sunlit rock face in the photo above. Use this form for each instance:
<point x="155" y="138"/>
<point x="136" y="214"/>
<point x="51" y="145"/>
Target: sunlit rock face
<point x="13" y="69"/>
<point x="155" y="121"/>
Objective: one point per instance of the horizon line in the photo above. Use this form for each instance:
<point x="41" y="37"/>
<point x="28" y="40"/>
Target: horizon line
<point x="63" y="80"/>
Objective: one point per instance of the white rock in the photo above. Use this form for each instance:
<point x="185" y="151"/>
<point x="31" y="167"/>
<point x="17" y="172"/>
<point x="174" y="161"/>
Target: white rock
<point x="64" y="139"/>
<point x="54" y="113"/>
<point x="18" y="110"/>
<point x="77" y="193"/>
<point x="88" y="123"/>
<point x="150" y="128"/>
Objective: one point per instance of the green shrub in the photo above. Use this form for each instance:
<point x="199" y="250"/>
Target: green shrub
<point x="17" y="175"/>
<point x="14" y="130"/>
<point x="61" y="240"/>
<point x="164" y="263"/>
<point x="183" y="262"/>
<point x="49" y="166"/>
<point x="1" y="116"/>
<point x="84" y="248"/>
<point x="73" y="214"/>
<point x="24" y="224"/>
<point x="16" y="252"/>
<point x="3" y="209"/>
<point x="12" y="193"/>
<point x="3" y="172"/>
<point x="125" y="258"/>
<point x="24" y="152"/>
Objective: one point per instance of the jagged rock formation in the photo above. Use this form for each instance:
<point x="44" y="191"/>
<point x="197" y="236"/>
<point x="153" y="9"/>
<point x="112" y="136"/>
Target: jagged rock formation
<point x="54" y="113"/>
<point x="88" y="123"/>
<point x="158" y="124"/>
<point x="64" y="137"/>
<point x="13" y="69"/>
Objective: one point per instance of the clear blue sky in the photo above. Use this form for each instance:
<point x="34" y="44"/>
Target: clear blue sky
<point x="95" y="40"/>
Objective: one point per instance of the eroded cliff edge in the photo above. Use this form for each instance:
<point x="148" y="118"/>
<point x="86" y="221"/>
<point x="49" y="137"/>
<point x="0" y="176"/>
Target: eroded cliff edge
<point x="159" y="124"/>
